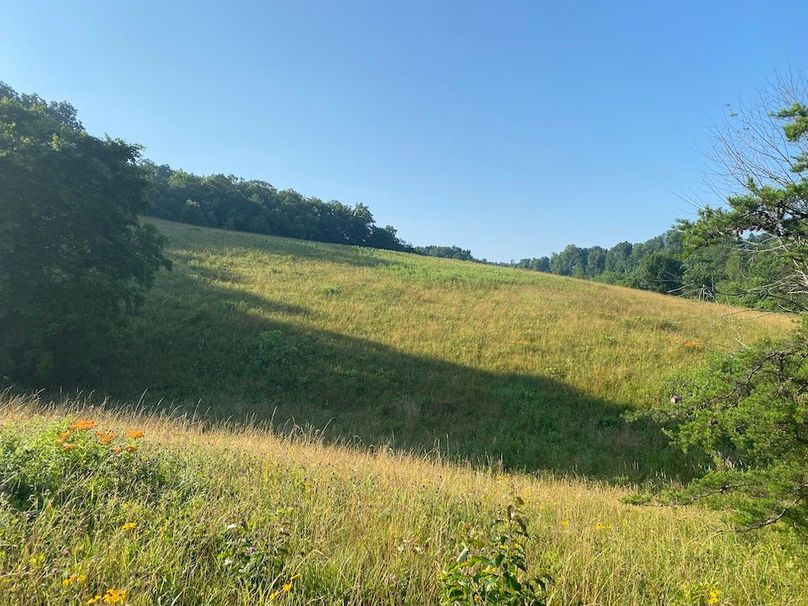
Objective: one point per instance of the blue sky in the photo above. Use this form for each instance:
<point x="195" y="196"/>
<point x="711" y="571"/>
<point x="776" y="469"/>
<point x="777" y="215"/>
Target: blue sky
<point x="508" y="128"/>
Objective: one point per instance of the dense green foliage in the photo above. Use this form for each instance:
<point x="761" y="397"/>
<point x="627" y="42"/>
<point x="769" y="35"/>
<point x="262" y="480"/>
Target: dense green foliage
<point x="254" y="206"/>
<point x="73" y="257"/>
<point x="620" y="264"/>
<point x="749" y="410"/>
<point x="658" y="272"/>
<point x="728" y="269"/>
<point x="447" y="252"/>
<point x="493" y="569"/>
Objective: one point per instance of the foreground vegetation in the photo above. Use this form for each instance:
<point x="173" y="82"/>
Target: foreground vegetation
<point x="188" y="514"/>
<point x="420" y="352"/>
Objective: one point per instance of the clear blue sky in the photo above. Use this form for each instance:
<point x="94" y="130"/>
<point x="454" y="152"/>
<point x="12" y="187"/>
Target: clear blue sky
<point x="510" y="128"/>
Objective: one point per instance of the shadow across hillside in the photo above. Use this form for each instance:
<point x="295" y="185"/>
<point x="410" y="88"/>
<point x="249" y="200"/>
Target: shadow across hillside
<point x="194" y="342"/>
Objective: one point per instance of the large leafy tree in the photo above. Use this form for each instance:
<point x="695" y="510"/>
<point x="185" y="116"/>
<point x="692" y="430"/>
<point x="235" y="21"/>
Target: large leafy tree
<point x="74" y="259"/>
<point x="658" y="272"/>
<point x="749" y="411"/>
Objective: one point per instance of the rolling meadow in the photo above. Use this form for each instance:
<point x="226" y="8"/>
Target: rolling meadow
<point x="307" y="423"/>
<point x="478" y="362"/>
<point x="416" y="304"/>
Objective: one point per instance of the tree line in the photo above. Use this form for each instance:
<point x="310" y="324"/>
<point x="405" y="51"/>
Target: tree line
<point x="732" y="269"/>
<point x="251" y="205"/>
<point x="230" y="202"/>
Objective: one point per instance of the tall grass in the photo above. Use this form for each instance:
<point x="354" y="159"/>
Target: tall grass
<point x="419" y="382"/>
<point x="482" y="362"/>
<point x="339" y="525"/>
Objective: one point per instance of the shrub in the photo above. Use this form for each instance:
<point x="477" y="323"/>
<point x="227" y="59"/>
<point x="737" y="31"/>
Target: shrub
<point x="75" y="461"/>
<point x="748" y="412"/>
<point x="493" y="569"/>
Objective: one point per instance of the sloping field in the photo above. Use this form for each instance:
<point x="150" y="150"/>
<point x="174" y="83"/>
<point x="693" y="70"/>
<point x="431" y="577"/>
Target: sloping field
<point x="371" y="348"/>
<point x="194" y="516"/>
<point x="473" y="360"/>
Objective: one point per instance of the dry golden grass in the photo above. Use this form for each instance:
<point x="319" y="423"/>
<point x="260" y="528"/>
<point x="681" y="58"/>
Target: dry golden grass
<point x="374" y="527"/>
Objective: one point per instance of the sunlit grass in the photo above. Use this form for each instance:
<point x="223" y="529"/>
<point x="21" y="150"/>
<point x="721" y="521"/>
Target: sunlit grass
<point x="399" y="366"/>
<point x="418" y="352"/>
<point x="348" y="526"/>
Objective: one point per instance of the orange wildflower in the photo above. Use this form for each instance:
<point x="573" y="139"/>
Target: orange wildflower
<point x="64" y="436"/>
<point x="134" y="434"/>
<point x="83" y="425"/>
<point x="105" y="437"/>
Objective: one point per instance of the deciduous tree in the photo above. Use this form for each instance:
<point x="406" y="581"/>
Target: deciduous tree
<point x="74" y="258"/>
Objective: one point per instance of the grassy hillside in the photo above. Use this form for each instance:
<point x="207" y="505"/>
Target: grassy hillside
<point x="134" y="508"/>
<point x="193" y="516"/>
<point x="419" y="352"/>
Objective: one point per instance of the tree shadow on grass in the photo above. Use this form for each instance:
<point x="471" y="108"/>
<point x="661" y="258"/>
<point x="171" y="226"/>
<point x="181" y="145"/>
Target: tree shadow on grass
<point x="197" y="342"/>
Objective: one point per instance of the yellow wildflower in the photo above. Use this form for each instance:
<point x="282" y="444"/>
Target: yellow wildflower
<point x="287" y="587"/>
<point x="714" y="597"/>
<point x="93" y="600"/>
<point x="74" y="578"/>
<point x="129" y="526"/>
<point x="115" y="596"/>
<point x="83" y="425"/>
<point x="565" y="523"/>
